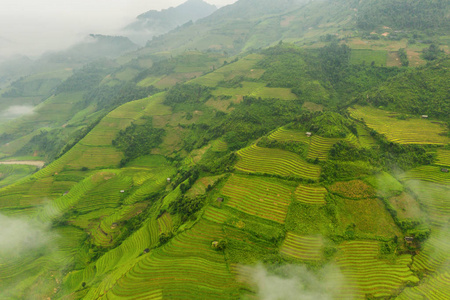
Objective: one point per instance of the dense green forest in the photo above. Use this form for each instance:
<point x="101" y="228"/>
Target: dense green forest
<point x="428" y="15"/>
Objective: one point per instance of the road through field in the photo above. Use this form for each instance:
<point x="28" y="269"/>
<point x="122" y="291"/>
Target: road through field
<point x="36" y="163"/>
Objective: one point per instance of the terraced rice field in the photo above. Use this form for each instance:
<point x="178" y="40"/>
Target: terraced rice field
<point x="95" y="150"/>
<point x="435" y="287"/>
<point x="288" y="135"/>
<point x="243" y="67"/>
<point x="154" y="184"/>
<point x="258" y="197"/>
<point x="200" y="187"/>
<point x="310" y="194"/>
<point x="427" y="173"/>
<point x="12" y="173"/>
<point x="257" y="90"/>
<point x="355" y="189"/>
<point x="185" y="268"/>
<point x="434" y="198"/>
<point x="215" y="215"/>
<point x="443" y="158"/>
<point x="367" y="56"/>
<point x="165" y="223"/>
<point x="412" y="131"/>
<point x="320" y="146"/>
<point x="365" y="139"/>
<point x="365" y="274"/>
<point x="255" y="159"/>
<point x="435" y="253"/>
<point x="302" y="247"/>
<point x="219" y="146"/>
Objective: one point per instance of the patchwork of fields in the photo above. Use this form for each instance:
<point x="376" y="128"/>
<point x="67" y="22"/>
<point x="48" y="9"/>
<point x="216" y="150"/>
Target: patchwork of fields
<point x="174" y="225"/>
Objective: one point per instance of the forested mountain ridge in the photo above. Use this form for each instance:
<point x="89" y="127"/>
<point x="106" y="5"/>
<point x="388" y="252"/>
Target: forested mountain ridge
<point x="189" y="174"/>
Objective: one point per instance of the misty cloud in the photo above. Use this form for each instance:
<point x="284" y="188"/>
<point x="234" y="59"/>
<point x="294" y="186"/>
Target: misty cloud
<point x="19" y="235"/>
<point x="33" y="27"/>
<point x="296" y="282"/>
<point x="16" y="111"/>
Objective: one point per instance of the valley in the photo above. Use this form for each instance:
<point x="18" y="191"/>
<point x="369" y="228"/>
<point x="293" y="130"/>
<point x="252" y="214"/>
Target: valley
<point x="229" y="153"/>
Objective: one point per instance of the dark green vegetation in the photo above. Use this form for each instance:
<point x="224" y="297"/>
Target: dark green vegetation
<point x="169" y="175"/>
<point x="428" y="15"/>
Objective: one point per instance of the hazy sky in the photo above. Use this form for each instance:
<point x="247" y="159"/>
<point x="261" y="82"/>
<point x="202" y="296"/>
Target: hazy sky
<point x="35" y="25"/>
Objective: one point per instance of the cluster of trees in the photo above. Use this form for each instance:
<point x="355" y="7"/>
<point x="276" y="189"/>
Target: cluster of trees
<point x="137" y="140"/>
<point x="108" y="97"/>
<point x="419" y="91"/>
<point x="85" y="78"/>
<point x="186" y="207"/>
<point x="36" y="87"/>
<point x="46" y="143"/>
<point x="404" y="14"/>
<point x="323" y="75"/>
<point x="187" y="94"/>
<point x="432" y="53"/>
<point x="326" y="124"/>
<point x="296" y="147"/>
<point x="388" y="155"/>
<point x="403" y="57"/>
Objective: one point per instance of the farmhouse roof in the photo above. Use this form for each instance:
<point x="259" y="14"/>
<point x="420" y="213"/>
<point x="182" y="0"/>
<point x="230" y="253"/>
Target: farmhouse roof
<point x="444" y="170"/>
<point x="220" y="199"/>
<point x="409" y="238"/>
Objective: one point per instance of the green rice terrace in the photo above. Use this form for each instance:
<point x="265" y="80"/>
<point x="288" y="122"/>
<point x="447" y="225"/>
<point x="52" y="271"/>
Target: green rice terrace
<point x="319" y="162"/>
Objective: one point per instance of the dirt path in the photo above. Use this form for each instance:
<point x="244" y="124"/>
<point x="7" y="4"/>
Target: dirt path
<point x="35" y="163"/>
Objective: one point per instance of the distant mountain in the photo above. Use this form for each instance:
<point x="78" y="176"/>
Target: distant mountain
<point x="94" y="47"/>
<point x="253" y="24"/>
<point x="154" y="23"/>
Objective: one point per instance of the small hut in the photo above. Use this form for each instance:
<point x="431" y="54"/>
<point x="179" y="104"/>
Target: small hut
<point x="219" y="200"/>
<point x="444" y="170"/>
<point x="168" y="180"/>
<point x="424" y="116"/>
<point x="122" y="191"/>
<point x="146" y="250"/>
<point x="308" y="134"/>
<point x="215" y="244"/>
<point x="409" y="239"/>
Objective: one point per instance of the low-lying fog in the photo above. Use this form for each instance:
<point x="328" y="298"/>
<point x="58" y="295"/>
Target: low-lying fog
<point x="15" y="111"/>
<point x="33" y="27"/>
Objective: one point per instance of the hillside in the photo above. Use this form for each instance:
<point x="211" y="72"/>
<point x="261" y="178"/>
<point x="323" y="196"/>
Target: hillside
<point x="155" y="23"/>
<point x="193" y="174"/>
